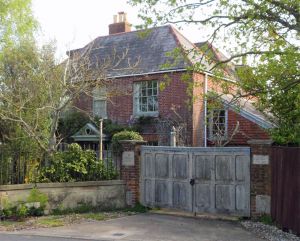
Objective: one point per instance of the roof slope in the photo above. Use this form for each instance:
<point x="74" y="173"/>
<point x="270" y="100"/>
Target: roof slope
<point x="137" y="53"/>
<point x="246" y="109"/>
<point x="88" y="132"/>
<point x="216" y="56"/>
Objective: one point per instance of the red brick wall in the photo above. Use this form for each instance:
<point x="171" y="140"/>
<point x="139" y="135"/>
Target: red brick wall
<point x="120" y="107"/>
<point x="84" y="102"/>
<point x="247" y="129"/>
<point x="120" y="103"/>
<point x="198" y="113"/>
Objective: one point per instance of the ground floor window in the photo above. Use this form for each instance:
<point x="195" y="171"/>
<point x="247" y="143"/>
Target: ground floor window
<point x="217" y="124"/>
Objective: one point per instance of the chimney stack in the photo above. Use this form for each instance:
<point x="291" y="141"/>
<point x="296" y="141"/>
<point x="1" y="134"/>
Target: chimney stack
<point x="120" y="24"/>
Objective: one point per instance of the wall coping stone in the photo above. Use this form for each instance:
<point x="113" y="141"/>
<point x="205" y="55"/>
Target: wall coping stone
<point x="132" y="142"/>
<point x="60" y="184"/>
<point x="260" y="142"/>
<point x="196" y="149"/>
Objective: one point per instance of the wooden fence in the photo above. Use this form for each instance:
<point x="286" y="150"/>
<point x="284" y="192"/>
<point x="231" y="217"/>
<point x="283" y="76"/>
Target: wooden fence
<point x="285" y="206"/>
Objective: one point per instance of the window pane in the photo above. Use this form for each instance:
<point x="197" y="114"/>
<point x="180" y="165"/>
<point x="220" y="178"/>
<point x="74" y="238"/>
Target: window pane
<point x="151" y="104"/>
<point x="144" y="92"/>
<point x="154" y="84"/>
<point x="217" y="123"/>
<point x="146" y="96"/>
<point x="155" y="91"/>
<point x="144" y="108"/>
<point x="144" y="100"/>
<point x="155" y="103"/>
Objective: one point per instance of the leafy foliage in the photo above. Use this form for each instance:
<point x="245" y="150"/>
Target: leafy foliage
<point x="76" y="164"/>
<point x="124" y="135"/>
<point x="23" y="209"/>
<point x="37" y="196"/>
<point x="70" y="123"/>
<point x="28" y="73"/>
<point x="276" y="86"/>
<point x="110" y="128"/>
<point x="16" y="22"/>
<point x="261" y="36"/>
<point x="266" y="219"/>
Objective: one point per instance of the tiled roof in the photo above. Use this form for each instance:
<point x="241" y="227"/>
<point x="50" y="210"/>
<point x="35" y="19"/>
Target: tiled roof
<point x="215" y="55"/>
<point x="247" y="109"/>
<point x="138" y="52"/>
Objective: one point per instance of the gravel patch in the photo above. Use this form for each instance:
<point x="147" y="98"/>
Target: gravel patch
<point x="269" y="232"/>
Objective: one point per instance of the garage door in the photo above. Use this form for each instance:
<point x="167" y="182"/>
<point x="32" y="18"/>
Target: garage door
<point x="206" y="180"/>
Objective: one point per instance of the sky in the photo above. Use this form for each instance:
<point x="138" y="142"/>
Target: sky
<point x="74" y="23"/>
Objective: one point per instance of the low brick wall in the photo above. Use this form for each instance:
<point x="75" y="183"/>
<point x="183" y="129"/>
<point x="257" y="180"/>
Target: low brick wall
<point x="99" y="194"/>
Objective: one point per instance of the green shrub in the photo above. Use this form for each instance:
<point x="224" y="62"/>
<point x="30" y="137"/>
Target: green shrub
<point x="37" y="196"/>
<point x="71" y="122"/>
<point x="266" y="219"/>
<point x="138" y="208"/>
<point x="8" y="212"/>
<point x="36" y="212"/>
<point x="21" y="211"/>
<point x="74" y="165"/>
<point x="110" y="128"/>
<point x="80" y="208"/>
<point x="124" y="135"/>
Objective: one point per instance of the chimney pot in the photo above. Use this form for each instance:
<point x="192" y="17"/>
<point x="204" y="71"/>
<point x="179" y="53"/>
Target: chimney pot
<point x="115" y="18"/>
<point x="120" y="24"/>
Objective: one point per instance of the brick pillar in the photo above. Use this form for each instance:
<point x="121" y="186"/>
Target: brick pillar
<point x="130" y="169"/>
<point x="260" y="173"/>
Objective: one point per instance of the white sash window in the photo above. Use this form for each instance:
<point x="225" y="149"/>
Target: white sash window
<point x="146" y="98"/>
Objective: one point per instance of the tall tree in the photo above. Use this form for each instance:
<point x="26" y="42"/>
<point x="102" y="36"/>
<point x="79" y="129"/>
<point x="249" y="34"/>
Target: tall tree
<point x="16" y="21"/>
<point x="35" y="90"/>
<point x="262" y="35"/>
<point x="17" y="24"/>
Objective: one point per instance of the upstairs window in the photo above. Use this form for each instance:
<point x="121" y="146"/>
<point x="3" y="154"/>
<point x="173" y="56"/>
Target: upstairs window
<point x="100" y="102"/>
<point x="217" y="124"/>
<point x="145" y="98"/>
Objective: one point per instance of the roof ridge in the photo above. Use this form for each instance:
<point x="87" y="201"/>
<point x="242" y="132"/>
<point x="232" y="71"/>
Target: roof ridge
<point x="116" y="34"/>
<point x="178" y="32"/>
<point x="175" y="32"/>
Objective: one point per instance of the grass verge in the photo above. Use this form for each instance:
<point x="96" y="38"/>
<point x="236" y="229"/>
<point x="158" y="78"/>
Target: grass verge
<point x="64" y="218"/>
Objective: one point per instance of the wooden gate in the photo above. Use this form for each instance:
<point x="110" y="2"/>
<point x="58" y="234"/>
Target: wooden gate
<point x="212" y="180"/>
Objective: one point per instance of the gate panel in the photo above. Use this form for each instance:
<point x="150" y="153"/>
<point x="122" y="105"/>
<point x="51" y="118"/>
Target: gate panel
<point x="220" y="178"/>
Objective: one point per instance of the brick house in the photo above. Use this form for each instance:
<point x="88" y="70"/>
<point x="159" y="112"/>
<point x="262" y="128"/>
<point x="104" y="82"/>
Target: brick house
<point x="145" y="82"/>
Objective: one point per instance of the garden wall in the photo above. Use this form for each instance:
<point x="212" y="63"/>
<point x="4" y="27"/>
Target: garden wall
<point x="97" y="194"/>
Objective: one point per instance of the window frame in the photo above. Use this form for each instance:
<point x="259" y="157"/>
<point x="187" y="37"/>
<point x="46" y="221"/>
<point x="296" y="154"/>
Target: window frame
<point x="210" y="125"/>
<point x="137" y="97"/>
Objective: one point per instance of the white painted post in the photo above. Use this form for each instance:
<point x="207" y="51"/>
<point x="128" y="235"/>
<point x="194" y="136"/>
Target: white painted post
<point x="173" y="137"/>
<point x="100" y="139"/>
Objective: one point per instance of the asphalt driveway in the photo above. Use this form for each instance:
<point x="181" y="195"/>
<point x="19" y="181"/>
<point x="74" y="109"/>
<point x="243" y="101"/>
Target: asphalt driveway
<point x="147" y="227"/>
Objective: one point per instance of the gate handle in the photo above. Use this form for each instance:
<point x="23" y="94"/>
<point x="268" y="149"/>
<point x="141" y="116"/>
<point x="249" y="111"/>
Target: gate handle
<point x="192" y="181"/>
